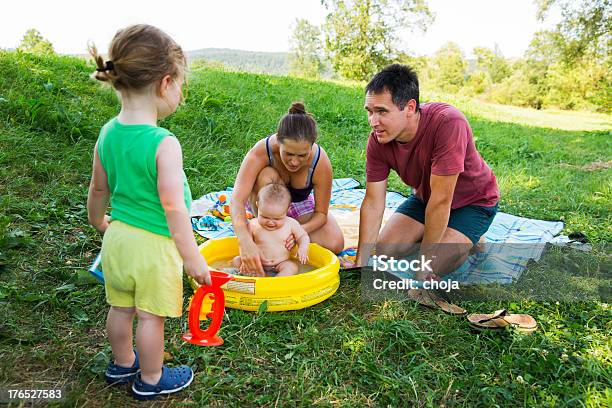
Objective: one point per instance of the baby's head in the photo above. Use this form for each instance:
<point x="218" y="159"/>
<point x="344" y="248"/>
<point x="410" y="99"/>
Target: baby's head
<point x="272" y="204"/>
<point x="142" y="59"/>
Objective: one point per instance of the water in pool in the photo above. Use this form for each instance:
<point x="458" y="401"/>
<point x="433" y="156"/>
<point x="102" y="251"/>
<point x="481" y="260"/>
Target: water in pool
<point x="225" y="265"/>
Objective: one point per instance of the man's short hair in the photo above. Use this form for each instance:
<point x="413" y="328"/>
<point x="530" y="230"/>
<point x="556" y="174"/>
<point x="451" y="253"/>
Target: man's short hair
<point x="274" y="192"/>
<point x="400" y="80"/>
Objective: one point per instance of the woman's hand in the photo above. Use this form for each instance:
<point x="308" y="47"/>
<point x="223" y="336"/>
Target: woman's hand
<point x="290" y="242"/>
<point x="250" y="257"/>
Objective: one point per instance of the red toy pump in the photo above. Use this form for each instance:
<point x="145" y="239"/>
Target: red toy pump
<point x="208" y="337"/>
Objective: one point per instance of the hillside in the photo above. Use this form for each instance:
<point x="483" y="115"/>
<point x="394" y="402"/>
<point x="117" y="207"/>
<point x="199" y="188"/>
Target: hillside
<point x="346" y="351"/>
<point x="249" y="61"/>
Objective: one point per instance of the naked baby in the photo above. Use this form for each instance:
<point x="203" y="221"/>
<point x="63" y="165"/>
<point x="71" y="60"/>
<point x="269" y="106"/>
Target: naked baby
<point x="270" y="231"/>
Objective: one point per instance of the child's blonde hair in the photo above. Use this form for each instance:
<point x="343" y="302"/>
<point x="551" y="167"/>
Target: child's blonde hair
<point x="139" y="55"/>
<point x="276" y="192"/>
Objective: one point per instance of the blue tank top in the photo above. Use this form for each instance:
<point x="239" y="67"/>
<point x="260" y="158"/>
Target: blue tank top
<point x="297" y="194"/>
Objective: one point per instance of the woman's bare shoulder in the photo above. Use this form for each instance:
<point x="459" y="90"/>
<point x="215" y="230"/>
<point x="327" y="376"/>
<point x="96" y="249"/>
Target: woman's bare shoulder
<point x="324" y="167"/>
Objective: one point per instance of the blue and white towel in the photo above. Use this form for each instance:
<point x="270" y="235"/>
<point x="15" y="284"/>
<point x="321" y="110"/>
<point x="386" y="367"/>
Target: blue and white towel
<point x="511" y="241"/>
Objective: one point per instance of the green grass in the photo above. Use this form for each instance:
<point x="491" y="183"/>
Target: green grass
<point x="344" y="351"/>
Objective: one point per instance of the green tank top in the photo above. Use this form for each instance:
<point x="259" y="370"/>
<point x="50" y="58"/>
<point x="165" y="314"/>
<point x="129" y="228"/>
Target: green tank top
<point x="128" y="155"/>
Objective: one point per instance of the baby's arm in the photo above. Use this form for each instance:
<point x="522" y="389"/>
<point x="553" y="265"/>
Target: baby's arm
<point x="171" y="194"/>
<point x="98" y="195"/>
<point x="302" y="239"/>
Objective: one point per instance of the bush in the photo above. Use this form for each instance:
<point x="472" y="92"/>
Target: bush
<point x="516" y="90"/>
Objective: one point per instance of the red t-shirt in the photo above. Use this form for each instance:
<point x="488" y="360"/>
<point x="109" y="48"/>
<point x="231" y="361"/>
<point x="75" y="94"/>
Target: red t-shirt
<point x="443" y="145"/>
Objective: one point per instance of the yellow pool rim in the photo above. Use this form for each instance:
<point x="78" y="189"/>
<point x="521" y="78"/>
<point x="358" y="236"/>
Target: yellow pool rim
<point x="282" y="293"/>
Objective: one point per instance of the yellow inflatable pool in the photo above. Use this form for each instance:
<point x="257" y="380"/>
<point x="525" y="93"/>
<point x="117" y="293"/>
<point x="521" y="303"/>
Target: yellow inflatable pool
<point x="282" y="293"/>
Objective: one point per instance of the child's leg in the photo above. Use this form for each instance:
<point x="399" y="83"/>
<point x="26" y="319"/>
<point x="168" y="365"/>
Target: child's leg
<point x="119" y="331"/>
<point x="150" y="345"/>
<point x="287" y="268"/>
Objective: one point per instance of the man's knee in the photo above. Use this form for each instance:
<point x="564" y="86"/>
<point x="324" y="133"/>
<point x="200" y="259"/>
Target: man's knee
<point x="396" y="249"/>
<point x="395" y="242"/>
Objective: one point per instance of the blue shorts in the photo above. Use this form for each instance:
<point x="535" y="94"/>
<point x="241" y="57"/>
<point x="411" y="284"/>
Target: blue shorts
<point x="472" y="220"/>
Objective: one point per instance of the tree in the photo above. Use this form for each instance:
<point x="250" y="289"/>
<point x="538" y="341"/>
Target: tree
<point x="493" y="63"/>
<point x="35" y="43"/>
<point x="516" y="90"/>
<point x="361" y="35"/>
<point x="567" y="78"/>
<point x="477" y="83"/>
<point x="450" y="68"/>
<point x="305" y="57"/>
<point x="586" y="27"/>
<point x="545" y="47"/>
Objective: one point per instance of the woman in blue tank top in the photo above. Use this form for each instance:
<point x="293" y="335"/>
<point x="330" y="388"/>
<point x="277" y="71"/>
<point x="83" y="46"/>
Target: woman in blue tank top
<point x="290" y="156"/>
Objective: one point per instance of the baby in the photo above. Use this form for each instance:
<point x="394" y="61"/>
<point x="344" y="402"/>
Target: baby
<point x="271" y="229"/>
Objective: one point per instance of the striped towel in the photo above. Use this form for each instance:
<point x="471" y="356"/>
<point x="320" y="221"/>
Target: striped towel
<point x="511" y="241"/>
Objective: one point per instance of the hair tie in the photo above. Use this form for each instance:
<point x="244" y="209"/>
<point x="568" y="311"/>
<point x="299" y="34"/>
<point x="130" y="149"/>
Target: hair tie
<point x="109" y="66"/>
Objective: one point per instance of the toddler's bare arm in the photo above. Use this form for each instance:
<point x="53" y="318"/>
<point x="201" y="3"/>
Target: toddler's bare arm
<point x="171" y="194"/>
<point x="98" y="195"/>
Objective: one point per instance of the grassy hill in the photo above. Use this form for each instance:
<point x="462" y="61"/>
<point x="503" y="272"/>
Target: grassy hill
<point x="275" y="63"/>
<point x="342" y="352"/>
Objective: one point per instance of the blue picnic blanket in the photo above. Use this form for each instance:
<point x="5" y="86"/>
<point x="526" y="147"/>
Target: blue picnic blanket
<point x="344" y="193"/>
<point x="511" y="241"/>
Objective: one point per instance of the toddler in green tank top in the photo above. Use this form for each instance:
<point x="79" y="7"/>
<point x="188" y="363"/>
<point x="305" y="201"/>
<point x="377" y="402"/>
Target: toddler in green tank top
<point x="148" y="240"/>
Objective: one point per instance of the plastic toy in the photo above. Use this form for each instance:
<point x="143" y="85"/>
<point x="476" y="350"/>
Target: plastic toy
<point x="214" y="308"/>
<point x="349" y="254"/>
<point x="344" y="207"/>
<point x="221" y="209"/>
<point x="281" y="293"/>
<point x="96" y="268"/>
<point x="205" y="223"/>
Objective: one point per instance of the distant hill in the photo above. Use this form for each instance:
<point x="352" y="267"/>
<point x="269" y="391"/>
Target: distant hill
<point x="250" y="61"/>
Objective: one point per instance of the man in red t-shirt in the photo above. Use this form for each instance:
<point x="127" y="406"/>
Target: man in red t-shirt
<point x="432" y="149"/>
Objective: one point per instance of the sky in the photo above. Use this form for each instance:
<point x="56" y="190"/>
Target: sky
<point x="257" y="25"/>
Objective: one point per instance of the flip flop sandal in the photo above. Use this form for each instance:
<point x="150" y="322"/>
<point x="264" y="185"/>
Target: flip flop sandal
<point x="432" y="300"/>
<point x="524" y="323"/>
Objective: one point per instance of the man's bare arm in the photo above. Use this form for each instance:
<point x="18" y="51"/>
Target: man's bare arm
<point x="438" y="207"/>
<point x="370" y="219"/>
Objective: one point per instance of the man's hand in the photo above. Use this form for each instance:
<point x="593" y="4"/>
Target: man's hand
<point x="427" y="276"/>
<point x="348" y="263"/>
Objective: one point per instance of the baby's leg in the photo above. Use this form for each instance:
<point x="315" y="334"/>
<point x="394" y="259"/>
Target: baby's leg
<point x="119" y="331"/>
<point x="150" y="345"/>
<point x="287" y="268"/>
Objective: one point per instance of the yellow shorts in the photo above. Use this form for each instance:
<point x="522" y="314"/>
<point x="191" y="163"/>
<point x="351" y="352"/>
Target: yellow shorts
<point x="142" y="269"/>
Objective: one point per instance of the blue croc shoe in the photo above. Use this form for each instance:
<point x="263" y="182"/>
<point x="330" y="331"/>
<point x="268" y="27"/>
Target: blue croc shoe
<point x="122" y="375"/>
<point x="172" y="380"/>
